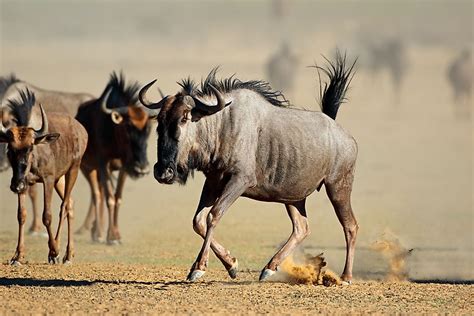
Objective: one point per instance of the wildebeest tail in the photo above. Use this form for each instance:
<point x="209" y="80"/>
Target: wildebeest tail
<point x="340" y="76"/>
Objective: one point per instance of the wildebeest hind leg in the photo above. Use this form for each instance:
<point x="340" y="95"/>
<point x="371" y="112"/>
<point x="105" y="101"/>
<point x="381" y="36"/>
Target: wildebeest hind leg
<point x="339" y="193"/>
<point x="297" y="213"/>
<point x="118" y="201"/>
<point x="208" y="198"/>
<point x="67" y="205"/>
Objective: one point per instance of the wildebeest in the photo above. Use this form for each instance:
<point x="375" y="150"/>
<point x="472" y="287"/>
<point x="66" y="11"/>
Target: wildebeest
<point x="460" y="72"/>
<point x="281" y="68"/>
<point x="43" y="155"/>
<point x="118" y="128"/>
<point x="249" y="144"/>
<point x="53" y="101"/>
<point x="391" y="55"/>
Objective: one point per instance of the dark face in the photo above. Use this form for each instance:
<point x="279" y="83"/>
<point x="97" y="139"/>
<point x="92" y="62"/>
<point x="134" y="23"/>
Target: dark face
<point x="20" y="160"/>
<point x="20" y="142"/>
<point x="133" y="129"/>
<point x="172" y="118"/>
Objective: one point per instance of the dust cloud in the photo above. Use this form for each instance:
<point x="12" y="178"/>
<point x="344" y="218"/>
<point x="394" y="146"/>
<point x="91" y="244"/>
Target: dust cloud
<point x="395" y="254"/>
<point x="307" y="269"/>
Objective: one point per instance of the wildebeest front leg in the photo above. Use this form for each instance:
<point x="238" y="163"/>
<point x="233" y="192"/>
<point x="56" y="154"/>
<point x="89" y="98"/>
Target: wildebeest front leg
<point x="232" y="190"/>
<point x="20" y="248"/>
<point x="297" y="213"/>
<point x="53" y="256"/>
<point x="35" y="227"/>
<point x="208" y="198"/>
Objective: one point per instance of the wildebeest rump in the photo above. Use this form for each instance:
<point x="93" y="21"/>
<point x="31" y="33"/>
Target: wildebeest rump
<point x="52" y="101"/>
<point x="118" y="128"/>
<point x="47" y="155"/>
<point x="251" y="145"/>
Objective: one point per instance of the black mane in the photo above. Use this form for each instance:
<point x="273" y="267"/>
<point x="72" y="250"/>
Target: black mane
<point x="127" y="91"/>
<point x="21" y="109"/>
<point x="6" y="82"/>
<point x="229" y="84"/>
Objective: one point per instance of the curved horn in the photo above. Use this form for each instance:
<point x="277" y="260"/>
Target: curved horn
<point x="211" y="109"/>
<point x="3" y="129"/>
<point x="103" y="103"/>
<point x="146" y="102"/>
<point x="44" y="124"/>
<point x="161" y="93"/>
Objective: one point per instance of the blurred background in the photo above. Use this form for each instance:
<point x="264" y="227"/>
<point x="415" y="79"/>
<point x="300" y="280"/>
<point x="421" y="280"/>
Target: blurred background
<point x="407" y="109"/>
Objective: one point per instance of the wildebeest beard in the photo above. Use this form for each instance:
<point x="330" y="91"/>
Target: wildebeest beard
<point x="183" y="171"/>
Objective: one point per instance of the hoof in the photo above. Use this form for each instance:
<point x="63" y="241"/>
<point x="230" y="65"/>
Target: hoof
<point x="82" y="230"/>
<point x="67" y="262"/>
<point x="195" y="275"/>
<point x="233" y="270"/>
<point x="98" y="240"/>
<point x="114" y="242"/>
<point x="15" y="263"/>
<point x="34" y="233"/>
<point x="53" y="260"/>
<point x="346" y="282"/>
<point x="266" y="273"/>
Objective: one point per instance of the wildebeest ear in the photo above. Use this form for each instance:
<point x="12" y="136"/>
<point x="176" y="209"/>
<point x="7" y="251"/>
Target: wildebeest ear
<point x="47" y="139"/>
<point x="116" y="117"/>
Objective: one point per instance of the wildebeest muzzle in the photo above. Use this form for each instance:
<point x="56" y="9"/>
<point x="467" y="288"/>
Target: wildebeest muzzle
<point x="164" y="175"/>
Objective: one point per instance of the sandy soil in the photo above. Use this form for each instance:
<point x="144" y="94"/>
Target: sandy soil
<point x="413" y="179"/>
<point x="118" y="288"/>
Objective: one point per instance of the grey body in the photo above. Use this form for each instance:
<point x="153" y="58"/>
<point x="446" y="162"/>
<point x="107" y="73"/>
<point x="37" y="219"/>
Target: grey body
<point x="286" y="153"/>
<point x="52" y="101"/>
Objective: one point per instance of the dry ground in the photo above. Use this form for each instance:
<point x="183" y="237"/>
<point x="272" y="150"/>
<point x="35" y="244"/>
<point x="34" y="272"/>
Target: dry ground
<point x="119" y="288"/>
<point x="414" y="171"/>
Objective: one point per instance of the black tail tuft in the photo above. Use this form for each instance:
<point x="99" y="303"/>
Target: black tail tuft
<point x="340" y="76"/>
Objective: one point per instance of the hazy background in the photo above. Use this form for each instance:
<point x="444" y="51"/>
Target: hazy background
<point x="414" y="171"/>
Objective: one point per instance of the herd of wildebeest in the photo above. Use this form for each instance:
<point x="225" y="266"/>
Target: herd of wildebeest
<point x="242" y="135"/>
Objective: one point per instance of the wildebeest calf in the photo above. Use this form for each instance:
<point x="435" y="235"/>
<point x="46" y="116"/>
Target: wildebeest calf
<point x="250" y="145"/>
<point x="45" y="155"/>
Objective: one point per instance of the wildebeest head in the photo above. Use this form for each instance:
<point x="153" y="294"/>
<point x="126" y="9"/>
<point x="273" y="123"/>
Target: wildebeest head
<point x="130" y="123"/>
<point x="21" y="138"/>
<point x="176" y="135"/>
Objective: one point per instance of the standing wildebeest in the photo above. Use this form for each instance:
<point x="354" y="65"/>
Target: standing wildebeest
<point x="44" y="155"/>
<point x="118" y="128"/>
<point x="390" y="55"/>
<point x="281" y="69"/>
<point x="460" y="74"/>
<point x="53" y="101"/>
<point x="249" y="145"/>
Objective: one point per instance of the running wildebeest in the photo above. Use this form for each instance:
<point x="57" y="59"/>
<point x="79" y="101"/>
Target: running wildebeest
<point x="281" y="69"/>
<point x="249" y="144"/>
<point x="118" y="128"/>
<point x="460" y="72"/>
<point x="53" y="101"/>
<point x="43" y="155"/>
